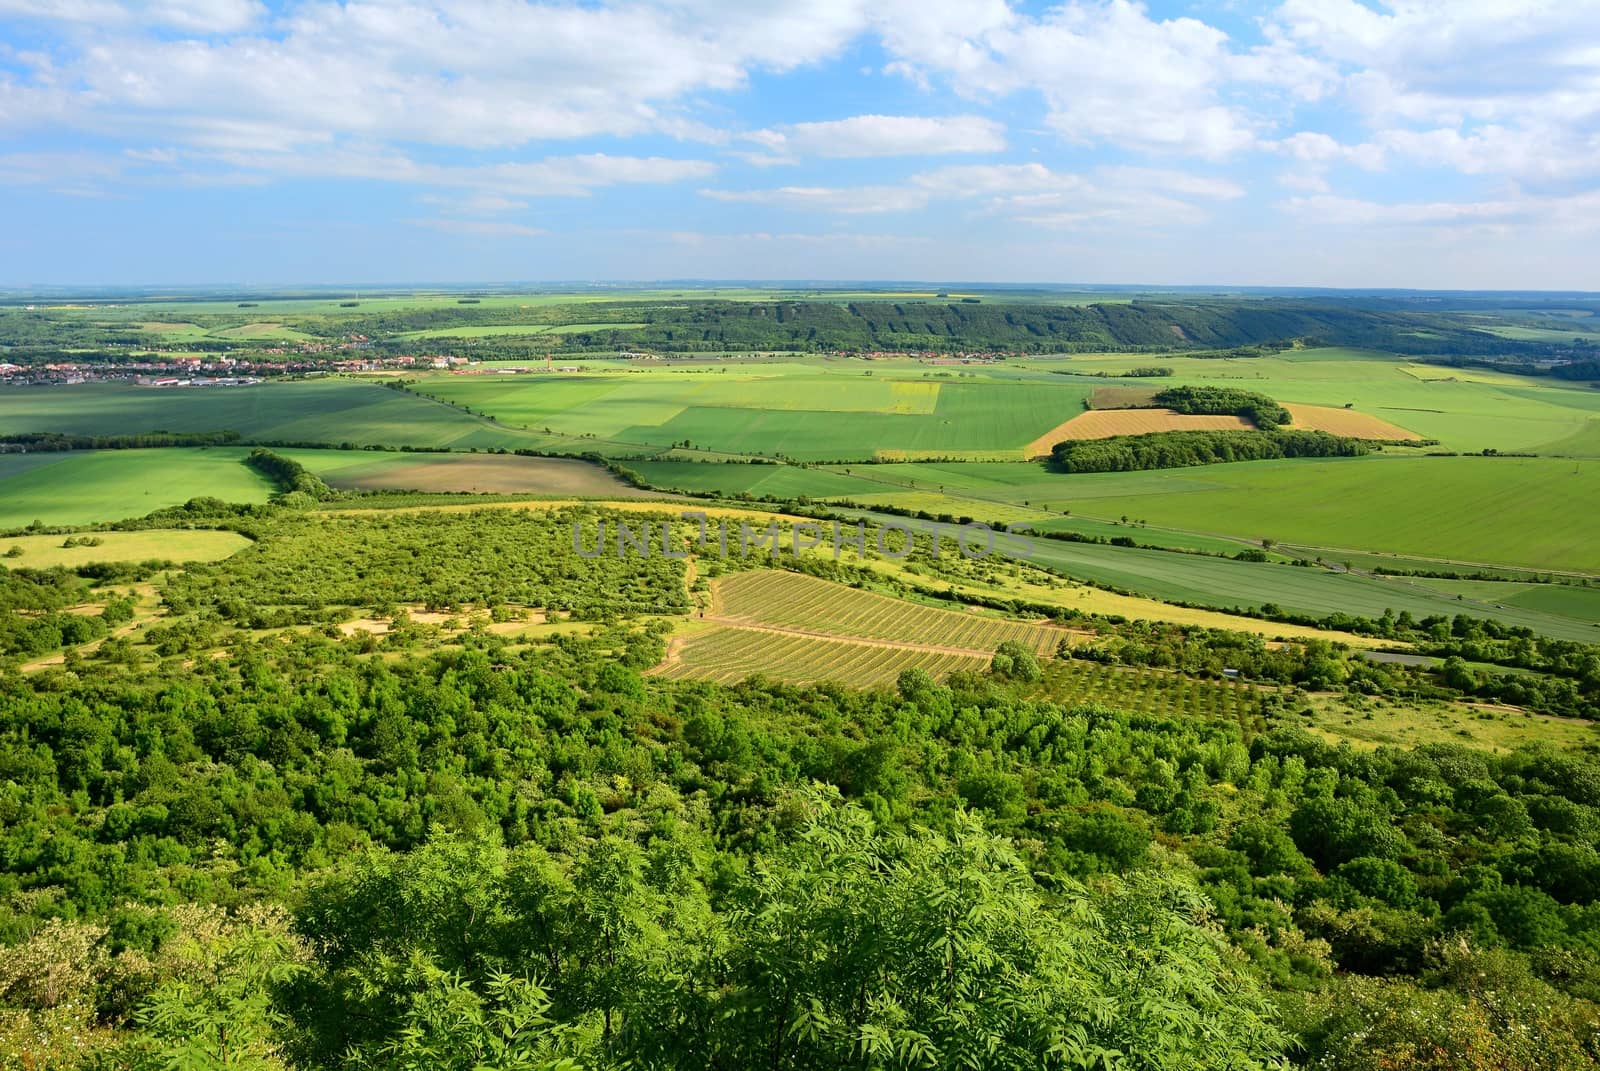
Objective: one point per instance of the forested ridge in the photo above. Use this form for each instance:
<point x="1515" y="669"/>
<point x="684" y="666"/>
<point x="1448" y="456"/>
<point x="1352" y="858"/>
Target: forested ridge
<point x="1024" y="328"/>
<point x="696" y="324"/>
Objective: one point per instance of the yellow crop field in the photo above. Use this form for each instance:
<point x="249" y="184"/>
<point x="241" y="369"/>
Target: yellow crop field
<point x="1345" y="422"/>
<point x="1104" y="423"/>
<point x="909" y="396"/>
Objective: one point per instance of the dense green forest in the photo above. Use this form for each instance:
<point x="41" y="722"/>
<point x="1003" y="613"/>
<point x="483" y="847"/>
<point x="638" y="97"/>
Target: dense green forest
<point x="608" y="870"/>
<point x="1263" y="412"/>
<point x="251" y="840"/>
<point x="1177" y="449"/>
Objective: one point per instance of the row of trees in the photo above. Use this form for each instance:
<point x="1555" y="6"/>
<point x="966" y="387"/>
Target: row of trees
<point x="291" y="477"/>
<point x="1178" y="449"/>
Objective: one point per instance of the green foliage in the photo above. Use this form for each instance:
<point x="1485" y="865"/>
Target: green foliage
<point x="306" y="566"/>
<point x="502" y="853"/>
<point x="1014" y="660"/>
<point x="291" y="477"/>
<point x="1260" y="410"/>
<point x="851" y="944"/>
<point x="1178" y="449"/>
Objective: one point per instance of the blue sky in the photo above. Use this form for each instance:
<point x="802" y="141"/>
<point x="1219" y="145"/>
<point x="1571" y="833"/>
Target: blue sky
<point x="1421" y="143"/>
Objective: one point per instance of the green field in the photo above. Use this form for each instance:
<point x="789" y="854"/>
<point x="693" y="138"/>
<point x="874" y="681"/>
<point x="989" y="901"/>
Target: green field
<point x="830" y="410"/>
<point x="1222" y="583"/>
<point x="809" y="411"/>
<point x="310" y="411"/>
<point x="1531" y="512"/>
<point x="371" y="470"/>
<point x="1527" y="512"/>
<point x="782" y="481"/>
<point x="112" y="485"/>
<point x="1580" y="603"/>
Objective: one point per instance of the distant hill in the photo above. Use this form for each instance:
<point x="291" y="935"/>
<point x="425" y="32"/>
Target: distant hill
<point x="1137" y="326"/>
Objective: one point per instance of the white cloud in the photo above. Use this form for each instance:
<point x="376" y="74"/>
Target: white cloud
<point x="883" y="135"/>
<point x="848" y="200"/>
<point x="1567" y="215"/>
<point x="1030" y="192"/>
<point x="473" y="73"/>
<point x="474" y="204"/>
<point x="479" y="228"/>
<point x="1315" y="153"/>
<point x="489" y="188"/>
<point x="1334" y="211"/>
<point x="190" y="16"/>
<point x="1488" y="87"/>
<point x="1107" y="72"/>
<point x="555" y="176"/>
<point x="852" y="238"/>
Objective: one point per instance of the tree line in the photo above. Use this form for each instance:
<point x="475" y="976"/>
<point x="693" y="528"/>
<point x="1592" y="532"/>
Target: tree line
<point x="1178" y="449"/>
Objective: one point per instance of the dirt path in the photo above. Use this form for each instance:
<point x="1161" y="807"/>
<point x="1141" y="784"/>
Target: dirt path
<point x="83" y="649"/>
<point x="673" y="656"/>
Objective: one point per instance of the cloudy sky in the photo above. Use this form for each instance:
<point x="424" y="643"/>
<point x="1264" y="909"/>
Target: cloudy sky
<point x="1425" y="143"/>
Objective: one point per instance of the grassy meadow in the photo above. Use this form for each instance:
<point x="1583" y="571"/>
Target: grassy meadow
<point x="153" y="544"/>
<point x="113" y="485"/>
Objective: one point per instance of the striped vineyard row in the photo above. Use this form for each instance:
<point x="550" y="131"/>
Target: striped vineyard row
<point x="794" y="600"/>
<point x="729" y="655"/>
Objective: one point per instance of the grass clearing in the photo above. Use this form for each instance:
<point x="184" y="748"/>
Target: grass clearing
<point x="1121" y="397"/>
<point x="156" y="544"/>
<point x="1368" y="724"/>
